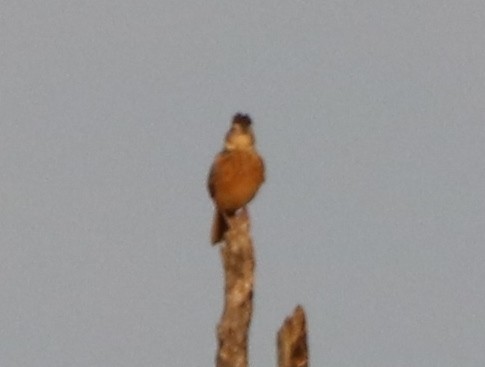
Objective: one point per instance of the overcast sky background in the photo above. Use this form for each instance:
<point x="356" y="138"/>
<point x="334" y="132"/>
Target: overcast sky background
<point x="370" y="116"/>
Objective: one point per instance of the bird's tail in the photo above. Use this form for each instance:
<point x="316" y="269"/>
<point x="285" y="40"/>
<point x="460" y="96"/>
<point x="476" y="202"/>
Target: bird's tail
<point x="219" y="227"/>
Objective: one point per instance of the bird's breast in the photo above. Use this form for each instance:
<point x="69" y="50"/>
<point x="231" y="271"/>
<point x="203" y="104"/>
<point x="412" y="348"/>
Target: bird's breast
<point x="235" y="179"/>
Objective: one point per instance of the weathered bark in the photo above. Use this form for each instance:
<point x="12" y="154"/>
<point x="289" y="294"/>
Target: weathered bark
<point x="238" y="261"/>
<point x="292" y="341"/>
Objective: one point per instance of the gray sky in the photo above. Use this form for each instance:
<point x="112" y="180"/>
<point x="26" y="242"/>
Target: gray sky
<point x="370" y="115"/>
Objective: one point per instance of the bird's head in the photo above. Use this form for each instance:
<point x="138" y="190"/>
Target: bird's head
<point x="241" y="135"/>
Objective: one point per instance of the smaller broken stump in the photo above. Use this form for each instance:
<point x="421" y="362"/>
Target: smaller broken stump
<point x="292" y="341"/>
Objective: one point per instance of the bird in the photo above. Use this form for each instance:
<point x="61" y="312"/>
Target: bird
<point x="236" y="174"/>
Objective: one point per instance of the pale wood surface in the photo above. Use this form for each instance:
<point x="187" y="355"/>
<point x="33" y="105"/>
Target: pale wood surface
<point x="238" y="260"/>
